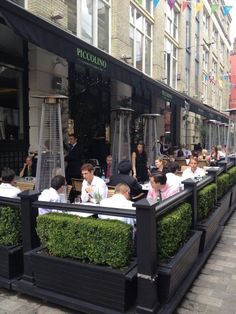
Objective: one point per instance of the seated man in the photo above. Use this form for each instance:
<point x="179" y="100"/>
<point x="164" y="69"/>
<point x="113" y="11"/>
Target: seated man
<point x="160" y="189"/>
<point x="8" y="186"/>
<point x="193" y="171"/>
<point x="124" y="176"/>
<point x="172" y="178"/>
<point x="120" y="199"/>
<point x="53" y="193"/>
<point x="92" y="186"/>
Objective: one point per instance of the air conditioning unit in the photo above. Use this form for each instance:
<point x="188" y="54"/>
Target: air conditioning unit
<point x="57" y="15"/>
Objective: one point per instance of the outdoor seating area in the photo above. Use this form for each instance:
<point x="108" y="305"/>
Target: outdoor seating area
<point x="198" y="224"/>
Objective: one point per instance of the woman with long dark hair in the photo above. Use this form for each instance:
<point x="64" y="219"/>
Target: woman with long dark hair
<point x="139" y="163"/>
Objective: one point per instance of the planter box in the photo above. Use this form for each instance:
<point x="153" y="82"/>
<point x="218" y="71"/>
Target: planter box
<point x="224" y="204"/>
<point x="233" y="198"/>
<point x="11" y="261"/>
<point x="209" y="228"/>
<point x="172" y="274"/>
<point x="99" y="285"/>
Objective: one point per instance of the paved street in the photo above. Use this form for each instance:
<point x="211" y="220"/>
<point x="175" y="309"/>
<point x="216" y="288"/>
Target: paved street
<point x="212" y="292"/>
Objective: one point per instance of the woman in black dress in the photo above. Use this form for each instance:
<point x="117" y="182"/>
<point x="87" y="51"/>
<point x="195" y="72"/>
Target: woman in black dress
<point x="139" y="163"/>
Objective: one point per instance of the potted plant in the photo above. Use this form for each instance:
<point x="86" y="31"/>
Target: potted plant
<point x="87" y="259"/>
<point x="223" y="193"/>
<point x="232" y="183"/>
<point x="11" y="253"/>
<point x="178" y="249"/>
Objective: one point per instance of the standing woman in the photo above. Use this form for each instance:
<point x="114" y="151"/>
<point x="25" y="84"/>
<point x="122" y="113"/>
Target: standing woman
<point x="139" y="163"/>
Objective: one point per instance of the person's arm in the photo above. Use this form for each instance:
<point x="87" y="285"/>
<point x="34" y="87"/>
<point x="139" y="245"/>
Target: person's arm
<point x="23" y="170"/>
<point x="134" y="164"/>
<point x="85" y="193"/>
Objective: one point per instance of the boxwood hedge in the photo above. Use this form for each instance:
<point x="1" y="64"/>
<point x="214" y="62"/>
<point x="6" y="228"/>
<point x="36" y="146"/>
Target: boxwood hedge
<point x="205" y="200"/>
<point x="10" y="226"/>
<point x="173" y="229"/>
<point x="223" y="184"/>
<point x="232" y="175"/>
<point x="103" y="242"/>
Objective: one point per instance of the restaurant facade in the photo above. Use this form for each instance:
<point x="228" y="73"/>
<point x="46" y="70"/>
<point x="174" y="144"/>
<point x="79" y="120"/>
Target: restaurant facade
<point x="39" y="58"/>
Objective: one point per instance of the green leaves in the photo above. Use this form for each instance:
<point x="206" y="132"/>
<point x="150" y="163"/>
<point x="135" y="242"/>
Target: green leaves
<point x="205" y="201"/>
<point x="10" y="226"/>
<point x="173" y="229"/>
<point x="222" y="184"/>
<point x="103" y="242"/>
<point x="232" y="175"/>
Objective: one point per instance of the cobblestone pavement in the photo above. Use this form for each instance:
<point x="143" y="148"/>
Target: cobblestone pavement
<point x="214" y="290"/>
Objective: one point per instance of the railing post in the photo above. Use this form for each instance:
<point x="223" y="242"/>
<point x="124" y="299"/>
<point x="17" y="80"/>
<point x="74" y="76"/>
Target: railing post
<point x="30" y="239"/>
<point x="147" y="300"/>
<point x="223" y="164"/>
<point x="192" y="183"/>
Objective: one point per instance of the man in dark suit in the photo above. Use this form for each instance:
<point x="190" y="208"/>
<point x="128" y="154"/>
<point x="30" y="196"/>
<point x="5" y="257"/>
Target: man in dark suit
<point x="73" y="159"/>
<point x="124" y="169"/>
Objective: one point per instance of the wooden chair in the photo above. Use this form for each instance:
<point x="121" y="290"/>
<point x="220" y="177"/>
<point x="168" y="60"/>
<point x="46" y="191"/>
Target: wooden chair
<point x="23" y="185"/>
<point x="68" y="189"/>
<point x="180" y="161"/>
<point x="111" y="190"/>
<point x="77" y="184"/>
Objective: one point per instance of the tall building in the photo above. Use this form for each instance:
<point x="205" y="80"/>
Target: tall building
<point x="171" y="59"/>
<point x="233" y="76"/>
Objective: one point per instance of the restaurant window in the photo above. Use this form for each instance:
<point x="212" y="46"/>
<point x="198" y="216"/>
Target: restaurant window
<point x="172" y="21"/>
<point x="140" y="33"/>
<point x="11" y="103"/>
<point x="170" y="64"/>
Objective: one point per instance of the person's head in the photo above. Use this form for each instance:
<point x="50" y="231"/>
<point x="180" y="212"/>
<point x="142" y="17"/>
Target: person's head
<point x="180" y="153"/>
<point x="87" y="172"/>
<point x="140" y="148"/>
<point x="172" y="167"/>
<point x="28" y="161"/>
<point x="204" y="152"/>
<point x="160" y="164"/>
<point x="219" y="148"/>
<point x="72" y="139"/>
<point x="193" y="163"/>
<point x="123" y="189"/>
<point x="162" y="138"/>
<point x="8" y="175"/>
<point x="109" y="160"/>
<point x="158" y="180"/>
<point x="125" y="166"/>
<point x="58" y="182"/>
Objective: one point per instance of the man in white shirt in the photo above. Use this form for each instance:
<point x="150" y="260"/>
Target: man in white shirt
<point x="172" y="178"/>
<point x="53" y="193"/>
<point x="193" y="171"/>
<point x="120" y="199"/>
<point x="8" y="186"/>
<point x="93" y="187"/>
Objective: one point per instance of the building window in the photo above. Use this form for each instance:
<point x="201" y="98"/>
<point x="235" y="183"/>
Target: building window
<point x="215" y="36"/>
<point x="188" y="48"/>
<point x="196" y="81"/>
<point x="146" y="4"/>
<point x="140" y="41"/>
<point x="204" y="87"/>
<point x="205" y="20"/>
<point x="197" y="37"/>
<point x="172" y="22"/>
<point x="93" y="18"/>
<point x="221" y="50"/>
<point x="170" y="63"/>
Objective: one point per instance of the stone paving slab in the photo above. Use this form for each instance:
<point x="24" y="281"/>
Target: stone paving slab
<point x="214" y="290"/>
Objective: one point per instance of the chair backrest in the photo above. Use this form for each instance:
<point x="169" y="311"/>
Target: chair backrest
<point x="77" y="184"/>
<point x="180" y="161"/>
<point x="183" y="168"/>
<point x="23" y="186"/>
<point x="111" y="191"/>
<point x="202" y="163"/>
<point x="68" y="189"/>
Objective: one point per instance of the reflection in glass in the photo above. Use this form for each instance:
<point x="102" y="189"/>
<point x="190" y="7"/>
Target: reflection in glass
<point x="139" y="51"/>
<point x="87" y="20"/>
<point x="147" y="56"/>
<point x="103" y="26"/>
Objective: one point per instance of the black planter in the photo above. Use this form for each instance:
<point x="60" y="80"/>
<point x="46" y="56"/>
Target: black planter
<point x="224" y="204"/>
<point x="209" y="228"/>
<point x="233" y="198"/>
<point x="11" y="261"/>
<point x="99" y="285"/>
<point x="172" y="274"/>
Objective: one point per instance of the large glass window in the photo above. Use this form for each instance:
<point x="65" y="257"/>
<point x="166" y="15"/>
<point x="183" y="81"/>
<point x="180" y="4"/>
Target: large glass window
<point x="103" y="29"/>
<point x="87" y="20"/>
<point x="11" y="104"/>
<point x="170" y="63"/>
<point x="172" y="22"/>
<point x="140" y="40"/>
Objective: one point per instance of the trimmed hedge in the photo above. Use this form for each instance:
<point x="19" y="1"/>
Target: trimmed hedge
<point x="173" y="229"/>
<point x="10" y="226"/>
<point x="102" y="242"/>
<point x="206" y="200"/>
<point x="232" y="175"/>
<point x="222" y="184"/>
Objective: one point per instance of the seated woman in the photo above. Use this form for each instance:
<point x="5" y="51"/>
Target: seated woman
<point x="29" y="169"/>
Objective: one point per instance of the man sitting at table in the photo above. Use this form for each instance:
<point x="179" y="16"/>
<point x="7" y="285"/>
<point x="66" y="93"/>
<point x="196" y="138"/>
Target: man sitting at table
<point x="53" y="193"/>
<point x="92" y="187"/>
<point x="120" y="199"/>
<point x="193" y="171"/>
<point x="8" y="186"/>
<point x="124" y="176"/>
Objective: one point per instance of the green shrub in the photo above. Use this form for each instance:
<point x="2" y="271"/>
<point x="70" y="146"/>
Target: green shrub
<point x="10" y="226"/>
<point x="173" y="229"/>
<point x="232" y="175"/>
<point x="222" y="185"/>
<point x="205" y="201"/>
<point x="103" y="242"/>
